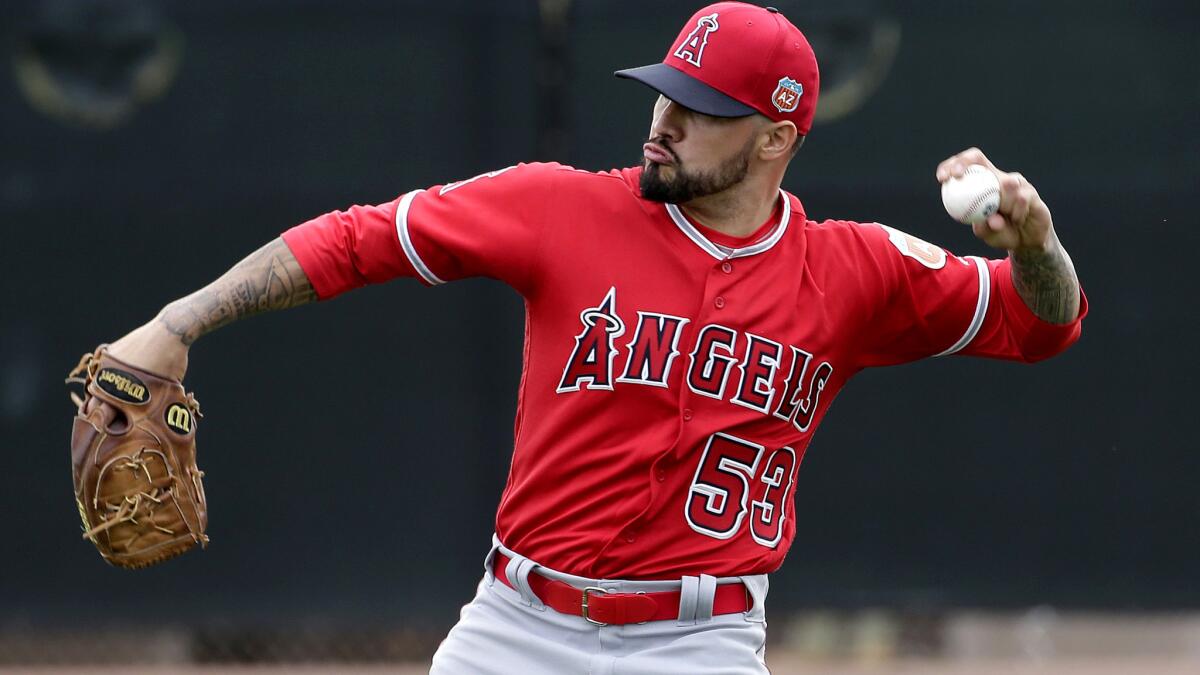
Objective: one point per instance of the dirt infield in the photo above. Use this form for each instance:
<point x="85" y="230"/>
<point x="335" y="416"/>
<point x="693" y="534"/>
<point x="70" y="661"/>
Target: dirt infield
<point x="783" y="665"/>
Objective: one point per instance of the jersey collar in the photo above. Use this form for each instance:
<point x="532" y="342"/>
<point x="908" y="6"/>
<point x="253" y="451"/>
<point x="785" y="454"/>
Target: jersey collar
<point x="721" y="252"/>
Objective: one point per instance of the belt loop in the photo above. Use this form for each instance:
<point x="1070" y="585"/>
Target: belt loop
<point x="706" y="591"/>
<point x="756" y="586"/>
<point x="488" y="565"/>
<point x="517" y="572"/>
<point x="688" y="597"/>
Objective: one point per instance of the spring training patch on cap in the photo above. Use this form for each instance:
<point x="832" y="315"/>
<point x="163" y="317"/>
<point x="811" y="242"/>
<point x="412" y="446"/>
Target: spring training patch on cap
<point x="123" y="385"/>
<point x="786" y="96"/>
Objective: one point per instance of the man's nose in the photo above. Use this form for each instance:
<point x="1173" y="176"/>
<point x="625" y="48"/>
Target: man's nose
<point x="665" y="124"/>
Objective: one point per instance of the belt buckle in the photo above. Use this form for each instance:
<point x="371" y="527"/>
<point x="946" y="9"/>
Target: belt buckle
<point x="583" y="606"/>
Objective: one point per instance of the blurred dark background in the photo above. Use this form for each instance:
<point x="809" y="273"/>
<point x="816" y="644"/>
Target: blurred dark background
<point x="356" y="449"/>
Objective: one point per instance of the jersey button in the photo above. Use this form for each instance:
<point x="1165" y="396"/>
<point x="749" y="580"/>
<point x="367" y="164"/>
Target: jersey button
<point x="660" y="475"/>
<point x="687" y="414"/>
<point x="727" y="267"/>
<point x="719" y="302"/>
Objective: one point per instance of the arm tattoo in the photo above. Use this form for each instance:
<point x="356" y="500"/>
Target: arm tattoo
<point x="267" y="280"/>
<point x="1046" y="281"/>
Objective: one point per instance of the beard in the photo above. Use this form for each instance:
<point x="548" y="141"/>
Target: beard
<point x="683" y="185"/>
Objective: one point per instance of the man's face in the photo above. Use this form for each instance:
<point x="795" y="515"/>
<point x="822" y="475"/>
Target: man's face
<point x="691" y="155"/>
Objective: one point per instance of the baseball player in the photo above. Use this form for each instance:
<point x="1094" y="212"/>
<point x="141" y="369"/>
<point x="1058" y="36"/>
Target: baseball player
<point x="687" y="327"/>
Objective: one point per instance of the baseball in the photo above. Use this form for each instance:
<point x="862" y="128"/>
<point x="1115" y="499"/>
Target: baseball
<point x="973" y="197"/>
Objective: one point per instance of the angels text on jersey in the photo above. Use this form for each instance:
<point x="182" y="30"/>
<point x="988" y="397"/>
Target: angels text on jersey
<point x="722" y="363"/>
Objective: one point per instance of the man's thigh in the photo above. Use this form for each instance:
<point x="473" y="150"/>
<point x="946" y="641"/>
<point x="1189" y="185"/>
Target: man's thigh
<point x="498" y="635"/>
<point x="725" y="645"/>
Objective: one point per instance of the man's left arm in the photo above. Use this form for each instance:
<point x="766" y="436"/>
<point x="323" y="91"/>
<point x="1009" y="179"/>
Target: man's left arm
<point x="1042" y="272"/>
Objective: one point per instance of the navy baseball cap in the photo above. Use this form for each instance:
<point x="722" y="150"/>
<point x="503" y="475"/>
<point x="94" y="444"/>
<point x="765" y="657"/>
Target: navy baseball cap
<point x="734" y="59"/>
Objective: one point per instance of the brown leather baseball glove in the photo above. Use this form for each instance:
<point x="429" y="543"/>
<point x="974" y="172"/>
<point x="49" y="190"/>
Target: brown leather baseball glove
<point x="133" y="452"/>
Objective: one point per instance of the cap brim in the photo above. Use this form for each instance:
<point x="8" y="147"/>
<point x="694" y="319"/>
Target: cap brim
<point x="686" y="90"/>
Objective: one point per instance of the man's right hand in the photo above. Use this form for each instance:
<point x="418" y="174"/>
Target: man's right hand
<point x="152" y="347"/>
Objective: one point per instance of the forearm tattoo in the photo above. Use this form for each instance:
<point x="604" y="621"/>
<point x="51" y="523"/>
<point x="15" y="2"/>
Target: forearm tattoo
<point x="267" y="280"/>
<point x="1046" y="281"/>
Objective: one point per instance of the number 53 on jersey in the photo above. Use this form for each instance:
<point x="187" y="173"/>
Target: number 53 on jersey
<point x="730" y="471"/>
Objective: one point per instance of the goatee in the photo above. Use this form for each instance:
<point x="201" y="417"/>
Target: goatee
<point x="683" y="186"/>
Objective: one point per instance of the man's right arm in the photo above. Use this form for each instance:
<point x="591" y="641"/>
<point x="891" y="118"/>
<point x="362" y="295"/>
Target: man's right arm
<point x="268" y="279"/>
<point x="489" y="226"/>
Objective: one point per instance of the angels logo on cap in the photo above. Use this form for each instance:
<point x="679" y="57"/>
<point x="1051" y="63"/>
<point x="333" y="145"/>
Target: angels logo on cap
<point x="787" y="95"/>
<point x="692" y="47"/>
<point x="742" y="66"/>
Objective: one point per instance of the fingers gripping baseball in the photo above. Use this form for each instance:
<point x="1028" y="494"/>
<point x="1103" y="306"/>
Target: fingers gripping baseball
<point x="1022" y="221"/>
<point x="954" y="167"/>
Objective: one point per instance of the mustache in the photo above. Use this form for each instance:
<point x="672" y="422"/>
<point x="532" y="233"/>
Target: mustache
<point x="661" y="141"/>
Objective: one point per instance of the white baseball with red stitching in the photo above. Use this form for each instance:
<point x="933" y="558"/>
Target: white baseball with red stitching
<point x="973" y="197"/>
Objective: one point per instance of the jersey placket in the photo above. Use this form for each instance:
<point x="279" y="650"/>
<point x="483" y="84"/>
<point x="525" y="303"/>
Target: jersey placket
<point x="715" y="303"/>
<point x="712" y="301"/>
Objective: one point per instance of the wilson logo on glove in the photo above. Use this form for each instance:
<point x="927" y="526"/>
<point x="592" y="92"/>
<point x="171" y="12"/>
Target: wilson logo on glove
<point x="179" y="419"/>
<point x="123" y="385"/>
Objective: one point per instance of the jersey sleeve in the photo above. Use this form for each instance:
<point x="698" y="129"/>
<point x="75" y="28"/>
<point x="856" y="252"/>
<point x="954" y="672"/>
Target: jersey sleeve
<point x="486" y="226"/>
<point x="923" y="301"/>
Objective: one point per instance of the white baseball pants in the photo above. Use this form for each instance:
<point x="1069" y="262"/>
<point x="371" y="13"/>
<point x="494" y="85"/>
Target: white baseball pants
<point x="508" y="631"/>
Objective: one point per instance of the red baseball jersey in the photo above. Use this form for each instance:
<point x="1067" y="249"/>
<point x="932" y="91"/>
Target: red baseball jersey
<point x="673" y="375"/>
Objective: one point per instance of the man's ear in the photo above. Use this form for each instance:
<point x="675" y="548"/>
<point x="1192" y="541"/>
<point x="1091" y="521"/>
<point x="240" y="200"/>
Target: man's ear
<point x="781" y="140"/>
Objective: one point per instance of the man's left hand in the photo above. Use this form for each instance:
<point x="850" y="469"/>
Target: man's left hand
<point x="1023" y="221"/>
